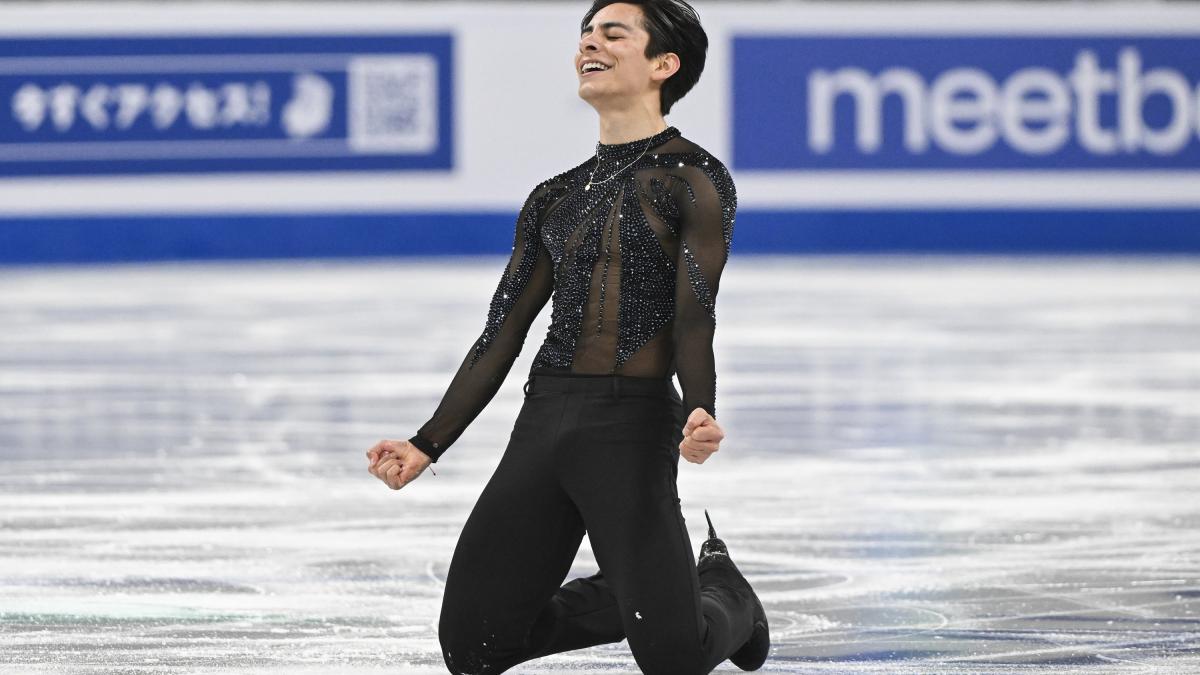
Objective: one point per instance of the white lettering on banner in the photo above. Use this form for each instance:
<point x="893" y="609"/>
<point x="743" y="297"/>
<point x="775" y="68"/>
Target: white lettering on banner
<point x="965" y="111"/>
<point x="1091" y="83"/>
<point x="62" y="105"/>
<point x="29" y="106"/>
<point x="103" y="107"/>
<point x="167" y="103"/>
<point x="132" y="100"/>
<point x="91" y="106"/>
<point x="1135" y="87"/>
<point x="201" y="106"/>
<point x="1051" y="110"/>
<point x="823" y="88"/>
<point x="963" y="96"/>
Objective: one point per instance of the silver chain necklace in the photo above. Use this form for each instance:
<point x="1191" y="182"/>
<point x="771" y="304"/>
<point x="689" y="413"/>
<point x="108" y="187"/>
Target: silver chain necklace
<point x="592" y="177"/>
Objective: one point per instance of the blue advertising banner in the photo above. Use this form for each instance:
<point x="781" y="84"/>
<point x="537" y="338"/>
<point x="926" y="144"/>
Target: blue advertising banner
<point x="225" y="103"/>
<point x="956" y="102"/>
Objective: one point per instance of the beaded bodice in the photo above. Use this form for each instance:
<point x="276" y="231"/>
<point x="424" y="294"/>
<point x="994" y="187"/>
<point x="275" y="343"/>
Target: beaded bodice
<point x="630" y="246"/>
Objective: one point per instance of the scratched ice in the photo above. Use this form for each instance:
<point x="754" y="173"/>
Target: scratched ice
<point x="940" y="466"/>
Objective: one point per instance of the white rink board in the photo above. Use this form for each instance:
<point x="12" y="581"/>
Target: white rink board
<point x="515" y="126"/>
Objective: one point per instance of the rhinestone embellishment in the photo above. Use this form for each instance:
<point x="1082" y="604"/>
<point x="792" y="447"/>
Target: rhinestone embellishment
<point x="625" y="261"/>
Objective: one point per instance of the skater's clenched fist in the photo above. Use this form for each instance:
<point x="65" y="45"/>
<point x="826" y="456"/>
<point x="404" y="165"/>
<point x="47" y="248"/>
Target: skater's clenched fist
<point x="701" y="437"/>
<point x="396" y="463"/>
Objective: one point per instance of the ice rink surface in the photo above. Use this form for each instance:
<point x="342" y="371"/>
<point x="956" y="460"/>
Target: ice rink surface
<point x="932" y="465"/>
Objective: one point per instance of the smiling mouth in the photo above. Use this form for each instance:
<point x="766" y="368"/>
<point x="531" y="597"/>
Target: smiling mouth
<point x="593" y="70"/>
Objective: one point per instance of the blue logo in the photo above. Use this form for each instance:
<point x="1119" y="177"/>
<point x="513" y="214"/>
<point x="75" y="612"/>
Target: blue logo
<point x="966" y="102"/>
<point x="225" y="103"/>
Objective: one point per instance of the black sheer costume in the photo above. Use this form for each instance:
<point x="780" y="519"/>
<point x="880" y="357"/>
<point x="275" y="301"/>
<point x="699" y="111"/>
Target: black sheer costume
<point x="633" y="263"/>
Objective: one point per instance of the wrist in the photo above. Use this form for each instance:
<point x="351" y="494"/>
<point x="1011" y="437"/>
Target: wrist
<point x="431" y="448"/>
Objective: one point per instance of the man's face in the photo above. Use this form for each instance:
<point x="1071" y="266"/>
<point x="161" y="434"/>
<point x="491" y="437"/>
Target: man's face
<point x="615" y="38"/>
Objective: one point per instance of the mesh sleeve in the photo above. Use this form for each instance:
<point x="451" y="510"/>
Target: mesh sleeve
<point x="707" y="206"/>
<point x="523" y="290"/>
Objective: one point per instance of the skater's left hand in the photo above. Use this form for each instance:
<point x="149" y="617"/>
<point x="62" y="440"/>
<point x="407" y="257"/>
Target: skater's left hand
<point x="701" y="437"/>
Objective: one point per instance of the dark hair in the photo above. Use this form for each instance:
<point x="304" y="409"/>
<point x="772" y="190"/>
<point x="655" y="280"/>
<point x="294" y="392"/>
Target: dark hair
<point x="673" y="27"/>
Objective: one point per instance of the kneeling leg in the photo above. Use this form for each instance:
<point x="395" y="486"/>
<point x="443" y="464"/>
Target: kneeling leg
<point x="514" y="551"/>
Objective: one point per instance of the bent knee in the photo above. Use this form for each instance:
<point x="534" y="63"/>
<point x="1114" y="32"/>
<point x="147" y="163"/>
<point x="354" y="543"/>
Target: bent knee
<point x="466" y="652"/>
<point x="464" y="662"/>
<point x="462" y="657"/>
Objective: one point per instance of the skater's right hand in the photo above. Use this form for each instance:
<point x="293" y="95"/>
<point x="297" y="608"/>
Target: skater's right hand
<point x="396" y="463"/>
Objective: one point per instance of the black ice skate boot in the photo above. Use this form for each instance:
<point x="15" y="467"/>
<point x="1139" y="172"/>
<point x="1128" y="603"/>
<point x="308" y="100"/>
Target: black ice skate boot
<point x="714" y="558"/>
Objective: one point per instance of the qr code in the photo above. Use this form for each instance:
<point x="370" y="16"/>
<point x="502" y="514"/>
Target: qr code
<point x="393" y="103"/>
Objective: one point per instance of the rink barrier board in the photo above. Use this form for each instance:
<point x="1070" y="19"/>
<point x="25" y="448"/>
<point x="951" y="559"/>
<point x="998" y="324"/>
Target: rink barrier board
<point x="1050" y="103"/>
<point x="226" y="103"/>
<point x="101" y="239"/>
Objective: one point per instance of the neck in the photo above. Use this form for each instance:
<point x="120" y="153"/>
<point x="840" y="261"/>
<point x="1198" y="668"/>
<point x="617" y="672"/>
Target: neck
<point x="624" y="126"/>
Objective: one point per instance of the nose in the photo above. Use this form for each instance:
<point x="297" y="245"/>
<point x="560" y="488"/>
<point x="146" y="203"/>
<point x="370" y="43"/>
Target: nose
<point x="587" y="43"/>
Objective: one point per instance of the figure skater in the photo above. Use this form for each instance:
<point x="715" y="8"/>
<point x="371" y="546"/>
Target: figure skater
<point x="629" y="245"/>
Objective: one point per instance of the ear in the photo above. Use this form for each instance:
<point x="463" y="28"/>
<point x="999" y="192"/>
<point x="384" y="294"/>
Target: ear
<point x="665" y="66"/>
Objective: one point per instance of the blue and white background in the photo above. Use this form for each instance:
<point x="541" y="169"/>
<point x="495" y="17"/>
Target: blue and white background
<point x="226" y="104"/>
<point x="131" y="132"/>
<point x="934" y="464"/>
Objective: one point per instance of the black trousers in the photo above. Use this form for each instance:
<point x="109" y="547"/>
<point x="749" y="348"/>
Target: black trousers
<point x="596" y="454"/>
